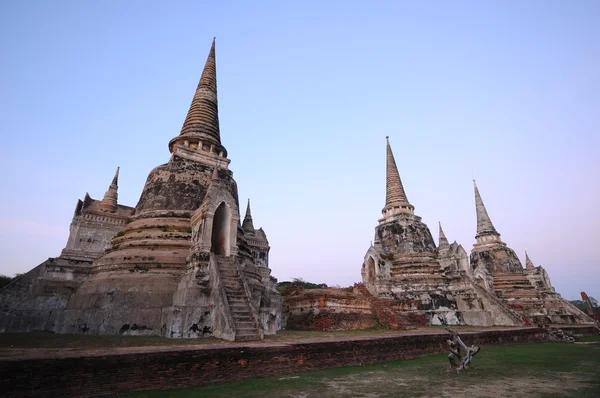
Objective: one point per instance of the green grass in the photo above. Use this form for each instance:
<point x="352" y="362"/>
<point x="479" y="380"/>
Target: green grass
<point x="537" y="370"/>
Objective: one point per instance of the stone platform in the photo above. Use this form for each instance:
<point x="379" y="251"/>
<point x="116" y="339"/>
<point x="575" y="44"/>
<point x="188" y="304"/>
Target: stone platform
<point x="89" y="373"/>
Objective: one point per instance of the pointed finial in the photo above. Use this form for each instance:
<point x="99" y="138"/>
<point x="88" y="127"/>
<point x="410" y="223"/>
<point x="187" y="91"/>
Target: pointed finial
<point x="248" y="225"/>
<point x="115" y="180"/>
<point x="109" y="202"/>
<point x="395" y="194"/>
<point x="528" y="262"/>
<point x="484" y="223"/>
<point x="443" y="241"/>
<point x="248" y="214"/>
<point x="202" y="120"/>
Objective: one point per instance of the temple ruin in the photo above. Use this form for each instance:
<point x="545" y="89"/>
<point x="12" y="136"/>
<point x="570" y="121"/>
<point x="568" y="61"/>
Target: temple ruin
<point x="183" y="264"/>
<point x="404" y="264"/>
<point x="179" y="264"/>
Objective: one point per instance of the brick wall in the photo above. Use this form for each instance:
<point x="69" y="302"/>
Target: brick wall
<point x="183" y="367"/>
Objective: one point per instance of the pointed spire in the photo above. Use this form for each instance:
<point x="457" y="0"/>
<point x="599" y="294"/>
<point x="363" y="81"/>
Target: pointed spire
<point x="484" y="224"/>
<point x="115" y="180"/>
<point x="202" y="121"/>
<point x="394" y="189"/>
<point x="528" y="262"/>
<point x="248" y="214"/>
<point x="443" y="241"/>
<point x="248" y="225"/>
<point x="395" y="197"/>
<point x="109" y="203"/>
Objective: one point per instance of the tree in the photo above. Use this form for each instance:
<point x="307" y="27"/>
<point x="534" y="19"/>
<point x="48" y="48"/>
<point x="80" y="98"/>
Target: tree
<point x="5" y="280"/>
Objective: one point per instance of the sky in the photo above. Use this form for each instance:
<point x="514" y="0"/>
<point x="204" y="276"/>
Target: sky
<point x="506" y="92"/>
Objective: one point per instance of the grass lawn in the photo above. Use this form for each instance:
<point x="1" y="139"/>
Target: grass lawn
<point x="537" y="370"/>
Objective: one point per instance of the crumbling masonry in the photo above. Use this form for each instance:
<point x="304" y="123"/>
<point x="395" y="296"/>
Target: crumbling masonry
<point x="178" y="265"/>
<point x="183" y="264"/>
<point x="405" y="265"/>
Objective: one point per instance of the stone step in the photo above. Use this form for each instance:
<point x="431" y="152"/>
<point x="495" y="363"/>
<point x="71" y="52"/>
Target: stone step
<point x="242" y="318"/>
<point x="246" y="331"/>
<point x="229" y="271"/>
<point x="237" y="299"/>
<point x="233" y="285"/>
<point x="243" y="325"/>
<point x="248" y="338"/>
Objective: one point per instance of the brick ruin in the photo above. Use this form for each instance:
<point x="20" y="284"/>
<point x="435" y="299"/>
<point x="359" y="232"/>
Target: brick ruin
<point x="179" y="264"/>
<point x="37" y="300"/>
<point x="404" y="264"/>
<point x="183" y="264"/>
<point x="408" y="281"/>
<point x="527" y="290"/>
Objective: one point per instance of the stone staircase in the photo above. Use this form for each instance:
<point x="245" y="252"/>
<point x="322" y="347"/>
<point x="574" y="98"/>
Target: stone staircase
<point x="246" y="325"/>
<point x="499" y="305"/>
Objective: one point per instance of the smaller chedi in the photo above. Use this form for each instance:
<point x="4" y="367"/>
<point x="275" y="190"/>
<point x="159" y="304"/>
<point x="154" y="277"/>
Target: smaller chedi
<point x="405" y="265"/>
<point x="37" y="300"/>
<point x="179" y="264"/>
<point x="528" y="290"/>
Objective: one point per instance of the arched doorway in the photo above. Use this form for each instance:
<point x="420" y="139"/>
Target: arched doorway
<point x="370" y="270"/>
<point x="220" y="231"/>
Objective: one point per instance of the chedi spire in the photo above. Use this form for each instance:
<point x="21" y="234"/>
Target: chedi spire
<point x="528" y="262"/>
<point x="484" y="224"/>
<point x="247" y="224"/>
<point x="486" y="233"/>
<point x="443" y="241"/>
<point x="201" y="126"/>
<point x="395" y="196"/>
<point x="109" y="203"/>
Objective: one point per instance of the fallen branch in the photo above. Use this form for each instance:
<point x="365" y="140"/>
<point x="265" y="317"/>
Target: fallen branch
<point x="454" y="346"/>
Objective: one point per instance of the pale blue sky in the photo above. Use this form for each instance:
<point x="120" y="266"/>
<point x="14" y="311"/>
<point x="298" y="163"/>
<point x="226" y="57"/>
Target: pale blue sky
<point x="507" y="92"/>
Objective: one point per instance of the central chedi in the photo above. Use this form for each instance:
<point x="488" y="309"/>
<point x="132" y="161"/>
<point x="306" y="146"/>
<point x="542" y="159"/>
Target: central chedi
<point x="182" y="266"/>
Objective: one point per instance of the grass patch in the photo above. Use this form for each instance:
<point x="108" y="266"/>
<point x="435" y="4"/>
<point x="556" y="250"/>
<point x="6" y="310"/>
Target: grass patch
<point x="540" y="370"/>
